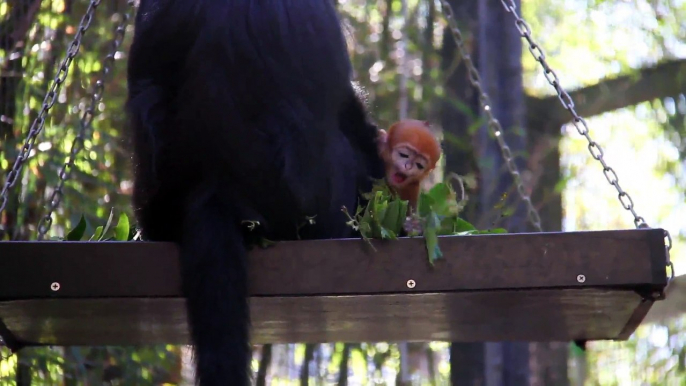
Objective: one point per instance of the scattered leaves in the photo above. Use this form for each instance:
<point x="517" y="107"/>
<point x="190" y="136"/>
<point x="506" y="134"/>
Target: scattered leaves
<point x="385" y="216"/>
<point x="382" y="218"/>
<point x="122" y="232"/>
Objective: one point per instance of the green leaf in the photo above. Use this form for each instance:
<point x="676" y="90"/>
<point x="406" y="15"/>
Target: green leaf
<point x="490" y="231"/>
<point x="121" y="232"/>
<point x="440" y="195"/>
<point x="388" y="234"/>
<point x="462" y="225"/>
<point x="403" y="213"/>
<point x="431" y="237"/>
<point x="107" y="225"/>
<point x="432" y="246"/>
<point x="424" y="204"/>
<point x="367" y="215"/>
<point x="366" y="230"/>
<point x="380" y="207"/>
<point x="577" y="351"/>
<point x="97" y="234"/>
<point x="394" y="218"/>
<point x="77" y="233"/>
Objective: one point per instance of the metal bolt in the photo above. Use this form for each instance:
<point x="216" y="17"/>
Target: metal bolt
<point x="411" y="283"/>
<point x="55" y="286"/>
<point x="580" y="278"/>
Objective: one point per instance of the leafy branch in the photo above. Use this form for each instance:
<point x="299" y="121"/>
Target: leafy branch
<point x="386" y="217"/>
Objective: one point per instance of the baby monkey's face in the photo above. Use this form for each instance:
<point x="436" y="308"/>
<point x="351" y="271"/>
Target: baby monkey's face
<point x="410" y="152"/>
<point x="406" y="165"/>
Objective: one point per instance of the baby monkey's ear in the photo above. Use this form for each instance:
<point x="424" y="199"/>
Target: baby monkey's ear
<point x="382" y="136"/>
<point x="381" y="140"/>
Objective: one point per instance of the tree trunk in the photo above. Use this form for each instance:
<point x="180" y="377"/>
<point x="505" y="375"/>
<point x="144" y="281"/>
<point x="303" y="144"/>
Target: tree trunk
<point x="305" y="369"/>
<point x="13" y="33"/>
<point x="343" y="367"/>
<point x="459" y="113"/>
<point x="500" y="67"/>
<point x="549" y="364"/>
<point x="467" y="366"/>
<point x="431" y="364"/>
<point x="265" y="361"/>
<point x="23" y="375"/>
<point x="498" y="58"/>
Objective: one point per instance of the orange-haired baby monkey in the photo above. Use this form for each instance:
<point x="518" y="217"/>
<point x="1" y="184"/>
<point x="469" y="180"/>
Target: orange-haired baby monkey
<point x="410" y="152"/>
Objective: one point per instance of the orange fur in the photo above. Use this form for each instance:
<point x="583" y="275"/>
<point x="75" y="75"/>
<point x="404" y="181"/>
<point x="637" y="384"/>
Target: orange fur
<point x="410" y="152"/>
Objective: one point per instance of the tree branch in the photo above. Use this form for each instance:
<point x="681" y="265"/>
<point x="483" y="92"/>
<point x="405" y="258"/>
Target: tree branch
<point x="647" y="84"/>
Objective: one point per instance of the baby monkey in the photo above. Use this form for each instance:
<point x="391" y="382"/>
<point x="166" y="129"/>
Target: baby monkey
<point x="410" y="152"/>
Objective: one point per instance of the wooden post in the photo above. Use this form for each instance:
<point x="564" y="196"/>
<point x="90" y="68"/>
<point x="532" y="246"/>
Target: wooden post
<point x="500" y="67"/>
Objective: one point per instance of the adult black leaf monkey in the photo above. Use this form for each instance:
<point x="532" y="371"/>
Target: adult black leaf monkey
<point x="241" y="110"/>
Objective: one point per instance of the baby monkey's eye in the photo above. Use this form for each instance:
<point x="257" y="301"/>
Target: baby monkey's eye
<point x="403" y="155"/>
<point x="420" y="166"/>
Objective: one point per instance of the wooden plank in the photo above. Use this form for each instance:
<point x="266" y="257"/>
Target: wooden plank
<point x="488" y="287"/>
<point x="338" y="267"/>
<point x="524" y="315"/>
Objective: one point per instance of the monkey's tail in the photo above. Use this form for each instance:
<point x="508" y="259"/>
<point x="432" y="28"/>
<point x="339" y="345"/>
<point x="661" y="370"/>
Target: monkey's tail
<point x="215" y="284"/>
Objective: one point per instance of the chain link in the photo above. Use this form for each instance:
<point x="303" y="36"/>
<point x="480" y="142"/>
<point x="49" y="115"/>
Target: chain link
<point x="48" y="102"/>
<point x="85" y="124"/>
<point x="581" y="126"/>
<point x="493" y="124"/>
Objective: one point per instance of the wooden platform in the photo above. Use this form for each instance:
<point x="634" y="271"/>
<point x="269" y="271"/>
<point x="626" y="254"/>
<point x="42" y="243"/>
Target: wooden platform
<point x="535" y="287"/>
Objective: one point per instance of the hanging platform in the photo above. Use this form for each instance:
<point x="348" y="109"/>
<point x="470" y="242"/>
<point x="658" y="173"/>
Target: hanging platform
<point x="530" y="287"/>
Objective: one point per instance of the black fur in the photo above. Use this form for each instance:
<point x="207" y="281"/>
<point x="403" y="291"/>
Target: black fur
<point x="241" y="110"/>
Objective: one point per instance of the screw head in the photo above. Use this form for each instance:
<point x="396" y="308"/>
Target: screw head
<point x="411" y="283"/>
<point x="580" y="278"/>
<point x="55" y="286"/>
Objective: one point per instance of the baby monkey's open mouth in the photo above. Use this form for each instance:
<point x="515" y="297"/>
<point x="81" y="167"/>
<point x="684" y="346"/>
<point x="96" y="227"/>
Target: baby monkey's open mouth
<point x="398" y="178"/>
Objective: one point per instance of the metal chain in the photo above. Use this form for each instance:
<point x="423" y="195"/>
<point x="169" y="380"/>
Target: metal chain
<point x="493" y="123"/>
<point x="85" y="124"/>
<point x="580" y="124"/>
<point x="48" y="102"/>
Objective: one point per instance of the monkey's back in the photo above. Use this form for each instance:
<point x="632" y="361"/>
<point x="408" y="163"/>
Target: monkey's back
<point x="247" y="98"/>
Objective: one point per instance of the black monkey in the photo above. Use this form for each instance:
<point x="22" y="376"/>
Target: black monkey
<point x="241" y="110"/>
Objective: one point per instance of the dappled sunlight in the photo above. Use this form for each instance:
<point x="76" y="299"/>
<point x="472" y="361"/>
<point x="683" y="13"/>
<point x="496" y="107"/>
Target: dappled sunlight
<point x="636" y="147"/>
<point x="585" y="44"/>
